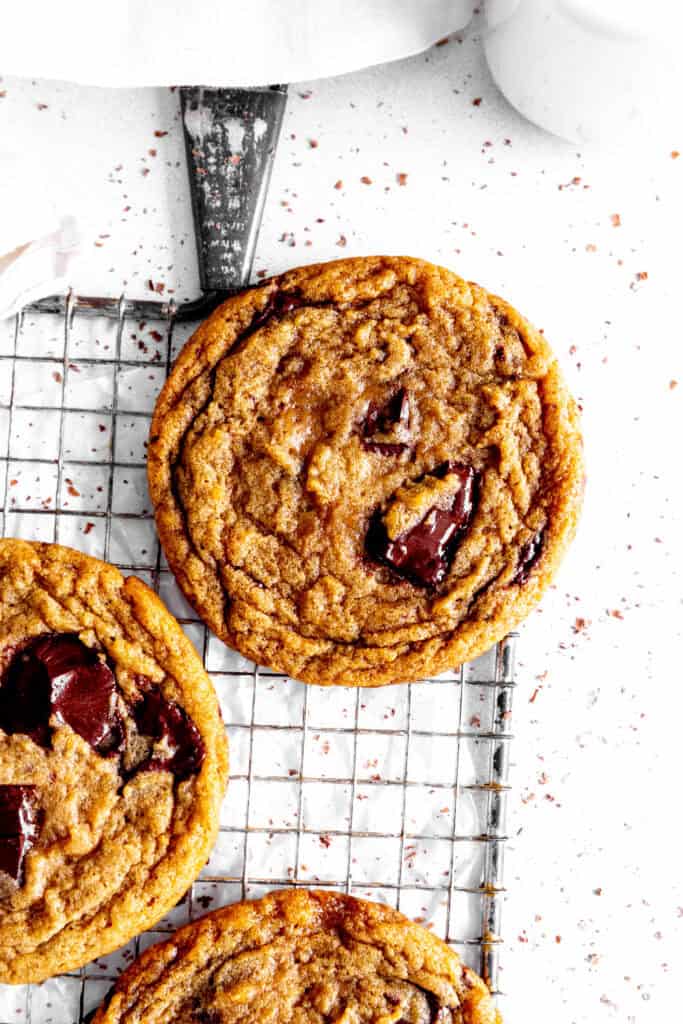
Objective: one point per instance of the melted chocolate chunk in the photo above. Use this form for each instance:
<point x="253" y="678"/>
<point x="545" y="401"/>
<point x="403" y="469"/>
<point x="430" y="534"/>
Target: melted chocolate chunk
<point x="529" y="554"/>
<point x="278" y="304"/>
<point x="423" y="555"/>
<point x="164" y="720"/>
<point x="58" y="675"/>
<point x="85" y="699"/>
<point x="18" y="828"/>
<point x="25" y="699"/>
<point x="384" y="420"/>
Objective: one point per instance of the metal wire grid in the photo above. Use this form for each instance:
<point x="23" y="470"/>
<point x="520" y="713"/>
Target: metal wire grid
<point x="397" y="794"/>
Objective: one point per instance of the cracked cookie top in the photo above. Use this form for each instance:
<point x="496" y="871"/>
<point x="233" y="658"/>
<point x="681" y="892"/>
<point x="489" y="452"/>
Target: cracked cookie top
<point x="113" y="760"/>
<point x="365" y="471"/>
<point x="295" y="957"/>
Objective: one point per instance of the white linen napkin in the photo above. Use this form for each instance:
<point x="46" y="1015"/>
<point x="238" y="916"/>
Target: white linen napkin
<point x="214" y="42"/>
<point x="39" y="235"/>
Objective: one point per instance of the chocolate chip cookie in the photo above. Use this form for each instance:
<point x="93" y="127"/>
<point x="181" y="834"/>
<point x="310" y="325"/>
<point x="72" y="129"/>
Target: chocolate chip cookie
<point x="298" y="956"/>
<point x="113" y="760"/>
<point x="365" y="471"/>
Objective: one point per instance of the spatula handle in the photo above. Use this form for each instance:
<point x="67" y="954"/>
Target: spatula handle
<point x="231" y="136"/>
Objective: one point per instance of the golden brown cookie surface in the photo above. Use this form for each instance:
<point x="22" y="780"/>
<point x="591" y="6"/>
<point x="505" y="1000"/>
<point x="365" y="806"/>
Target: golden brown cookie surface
<point x="365" y="471"/>
<point x="299" y="957"/>
<point x="113" y="760"/>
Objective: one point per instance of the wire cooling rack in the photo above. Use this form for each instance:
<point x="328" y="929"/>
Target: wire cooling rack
<point x="397" y="794"/>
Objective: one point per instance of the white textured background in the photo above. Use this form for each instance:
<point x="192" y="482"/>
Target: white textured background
<point x="594" y="917"/>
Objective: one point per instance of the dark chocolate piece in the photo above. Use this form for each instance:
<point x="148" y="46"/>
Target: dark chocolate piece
<point x="85" y="699"/>
<point x="162" y="719"/>
<point x="440" y="1014"/>
<point x="423" y="555"/>
<point x="25" y="698"/>
<point x="18" y="828"/>
<point x="529" y="554"/>
<point x="278" y="304"/>
<point x="384" y="420"/>
<point x="58" y="675"/>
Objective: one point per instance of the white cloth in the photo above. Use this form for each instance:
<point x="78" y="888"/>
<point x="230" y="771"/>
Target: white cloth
<point x="217" y="42"/>
<point x="39" y="236"/>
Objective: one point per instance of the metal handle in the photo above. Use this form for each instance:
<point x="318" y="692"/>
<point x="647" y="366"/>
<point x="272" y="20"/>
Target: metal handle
<point x="231" y="136"/>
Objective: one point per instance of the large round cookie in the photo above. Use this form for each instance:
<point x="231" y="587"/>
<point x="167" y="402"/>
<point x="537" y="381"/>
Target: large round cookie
<point x="298" y="957"/>
<point x="365" y="471"/>
<point x="113" y="760"/>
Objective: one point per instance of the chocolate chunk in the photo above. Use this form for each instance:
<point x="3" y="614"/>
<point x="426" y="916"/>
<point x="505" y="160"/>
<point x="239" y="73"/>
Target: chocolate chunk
<point x="529" y="554"/>
<point x="387" y="421"/>
<point x="25" y="698"/>
<point x="164" y="720"/>
<point x="439" y="1014"/>
<point x="278" y="304"/>
<point x="85" y="699"/>
<point x="58" y="675"/>
<point x="423" y="554"/>
<point x="18" y="828"/>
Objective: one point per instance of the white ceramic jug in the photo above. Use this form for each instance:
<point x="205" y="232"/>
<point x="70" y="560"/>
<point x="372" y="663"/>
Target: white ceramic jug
<point x="590" y="70"/>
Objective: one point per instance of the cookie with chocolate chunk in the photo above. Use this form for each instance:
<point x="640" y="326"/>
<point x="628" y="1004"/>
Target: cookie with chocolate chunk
<point x="365" y="471"/>
<point x="113" y="760"/>
<point x="301" y="956"/>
